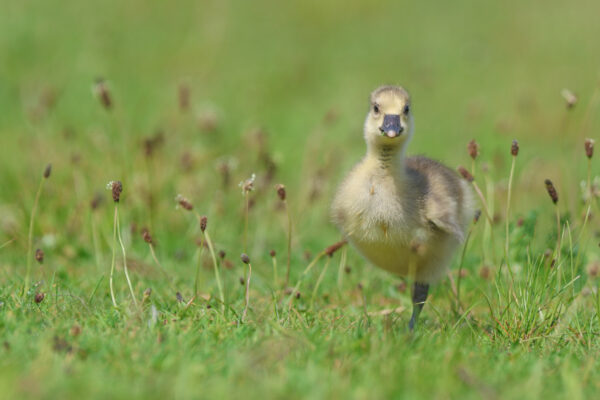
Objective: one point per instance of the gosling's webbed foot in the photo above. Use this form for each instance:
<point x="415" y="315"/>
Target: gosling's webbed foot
<point x="419" y="295"/>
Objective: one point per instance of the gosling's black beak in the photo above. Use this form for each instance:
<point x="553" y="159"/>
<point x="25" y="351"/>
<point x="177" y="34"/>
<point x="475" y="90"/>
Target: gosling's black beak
<point x="391" y="126"/>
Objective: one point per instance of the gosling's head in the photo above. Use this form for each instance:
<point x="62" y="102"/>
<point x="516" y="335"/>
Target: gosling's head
<point x="389" y="121"/>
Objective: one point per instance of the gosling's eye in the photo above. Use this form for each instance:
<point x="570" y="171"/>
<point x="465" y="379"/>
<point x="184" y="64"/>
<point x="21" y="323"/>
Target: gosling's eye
<point x="406" y="109"/>
<point x="376" y="108"/>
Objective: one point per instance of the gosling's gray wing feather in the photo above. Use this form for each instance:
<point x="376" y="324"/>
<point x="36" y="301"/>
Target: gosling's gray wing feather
<point x="441" y="195"/>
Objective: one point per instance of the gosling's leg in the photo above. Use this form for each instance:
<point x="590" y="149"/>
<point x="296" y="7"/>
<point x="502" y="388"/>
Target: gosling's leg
<point x="419" y="295"/>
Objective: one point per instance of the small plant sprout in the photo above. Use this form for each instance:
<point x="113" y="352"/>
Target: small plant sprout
<point x="203" y="223"/>
<point x="203" y="220"/>
<point x="246" y="261"/>
<point x="329" y="251"/>
<point x="184" y="97"/>
<point x="39" y="256"/>
<point x="342" y="268"/>
<point x="589" y="152"/>
<point x="473" y="149"/>
<point x="151" y="244"/>
<point x="101" y="91"/>
<point x="554" y="197"/>
<point x="588" y="190"/>
<point x="94" y="204"/>
<point x="319" y="280"/>
<point x="30" y="256"/>
<point x="184" y="203"/>
<point x="273" y="255"/>
<point x="47" y="171"/>
<point x="146" y="296"/>
<point x="116" y="188"/>
<point x="247" y="186"/>
<point x="39" y="297"/>
<point x="570" y="98"/>
<point x="471" y="179"/>
<point x="514" y="151"/>
<point x="281" y="193"/>
<point x="589" y="148"/>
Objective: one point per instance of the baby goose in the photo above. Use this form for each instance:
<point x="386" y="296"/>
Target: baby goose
<point x="406" y="215"/>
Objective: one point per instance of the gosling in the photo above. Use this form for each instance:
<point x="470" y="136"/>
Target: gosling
<point x="406" y="215"/>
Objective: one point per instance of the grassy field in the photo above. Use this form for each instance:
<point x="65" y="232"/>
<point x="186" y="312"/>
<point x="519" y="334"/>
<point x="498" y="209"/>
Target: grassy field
<point x="205" y="94"/>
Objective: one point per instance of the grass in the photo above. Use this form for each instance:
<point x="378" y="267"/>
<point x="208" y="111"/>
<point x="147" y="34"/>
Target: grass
<point x="203" y="96"/>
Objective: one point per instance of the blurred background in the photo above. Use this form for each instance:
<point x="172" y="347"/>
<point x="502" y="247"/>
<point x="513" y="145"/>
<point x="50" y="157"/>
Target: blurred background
<point x="291" y="79"/>
<point x="299" y="73"/>
<point x="490" y="71"/>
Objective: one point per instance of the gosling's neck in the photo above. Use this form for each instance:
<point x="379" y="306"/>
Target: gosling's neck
<point x="389" y="158"/>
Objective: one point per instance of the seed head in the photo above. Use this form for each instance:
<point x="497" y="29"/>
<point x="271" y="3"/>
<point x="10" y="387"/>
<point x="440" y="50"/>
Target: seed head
<point x="133" y="228"/>
<point x="47" y="171"/>
<point x="147" y="237"/>
<point x="154" y="142"/>
<point x="473" y="149"/>
<point x="179" y="297"/>
<point x="116" y="187"/>
<point x="96" y="200"/>
<point x="146" y="295"/>
<point x="514" y="148"/>
<point x="39" y="297"/>
<point x="331" y="116"/>
<point x="75" y="330"/>
<point x="208" y="121"/>
<point x="184" y="203"/>
<point x="593" y="269"/>
<point x="39" y="255"/>
<point x="222" y="254"/>
<point x="245" y="258"/>
<point x="224" y="169"/>
<point x="184" y="97"/>
<point x="485" y="272"/>
<point x="280" y="191"/>
<point x="589" y="148"/>
<point x="203" y="222"/>
<point x="248" y="184"/>
<point x="520" y="222"/>
<point x="187" y="161"/>
<point x="401" y="287"/>
<point x="569" y="97"/>
<point x="551" y="190"/>
<point x="101" y="91"/>
<point x="465" y="174"/>
<point x="334" y="247"/>
<point x="272" y="253"/>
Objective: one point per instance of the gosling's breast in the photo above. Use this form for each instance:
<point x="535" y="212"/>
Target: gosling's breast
<point x="372" y="209"/>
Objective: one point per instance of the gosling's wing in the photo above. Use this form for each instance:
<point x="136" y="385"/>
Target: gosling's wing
<point x="445" y="221"/>
<point x="442" y="196"/>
